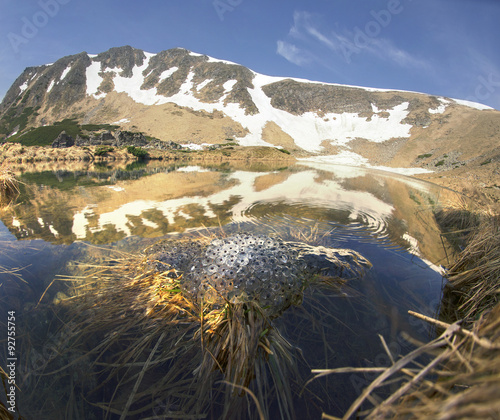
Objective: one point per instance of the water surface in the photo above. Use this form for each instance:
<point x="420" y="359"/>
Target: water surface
<point x="65" y="217"/>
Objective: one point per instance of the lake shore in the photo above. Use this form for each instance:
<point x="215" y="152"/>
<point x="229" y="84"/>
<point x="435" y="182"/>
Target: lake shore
<point x="479" y="183"/>
<point x="14" y="153"/>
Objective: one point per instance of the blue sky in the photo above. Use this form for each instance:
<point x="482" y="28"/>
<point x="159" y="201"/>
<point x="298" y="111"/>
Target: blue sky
<point x="441" y="47"/>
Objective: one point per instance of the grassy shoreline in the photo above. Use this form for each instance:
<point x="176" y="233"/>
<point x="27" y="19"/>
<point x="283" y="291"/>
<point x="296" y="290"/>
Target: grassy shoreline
<point x="456" y="375"/>
<point x="14" y="153"/>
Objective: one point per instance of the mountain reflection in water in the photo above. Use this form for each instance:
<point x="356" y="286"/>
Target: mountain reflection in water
<point x="388" y="219"/>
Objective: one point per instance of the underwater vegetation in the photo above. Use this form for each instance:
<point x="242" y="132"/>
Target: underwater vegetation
<point x="188" y="329"/>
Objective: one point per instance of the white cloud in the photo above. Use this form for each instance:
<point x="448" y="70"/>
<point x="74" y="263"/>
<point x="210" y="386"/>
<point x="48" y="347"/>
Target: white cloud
<point x="385" y="49"/>
<point x="309" y="30"/>
<point x="292" y="53"/>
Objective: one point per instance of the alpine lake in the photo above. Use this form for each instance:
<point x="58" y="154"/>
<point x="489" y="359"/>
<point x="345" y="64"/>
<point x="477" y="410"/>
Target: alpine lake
<point x="81" y="354"/>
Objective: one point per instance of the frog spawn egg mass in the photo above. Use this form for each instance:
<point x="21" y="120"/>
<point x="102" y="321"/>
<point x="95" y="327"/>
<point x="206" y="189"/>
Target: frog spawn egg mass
<point x="238" y="269"/>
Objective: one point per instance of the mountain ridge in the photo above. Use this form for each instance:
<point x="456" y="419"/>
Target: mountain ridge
<point x="190" y="98"/>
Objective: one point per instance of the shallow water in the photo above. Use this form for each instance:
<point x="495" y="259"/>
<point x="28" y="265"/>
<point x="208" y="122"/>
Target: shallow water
<point x="386" y="218"/>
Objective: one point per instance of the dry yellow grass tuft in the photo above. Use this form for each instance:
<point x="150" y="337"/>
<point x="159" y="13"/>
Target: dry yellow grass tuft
<point x="9" y="186"/>
<point x="474" y="279"/>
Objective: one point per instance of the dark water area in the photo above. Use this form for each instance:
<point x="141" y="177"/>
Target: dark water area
<point x="67" y="221"/>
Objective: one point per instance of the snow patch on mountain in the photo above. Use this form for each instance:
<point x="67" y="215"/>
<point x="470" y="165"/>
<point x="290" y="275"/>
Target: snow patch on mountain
<point x="471" y="104"/>
<point x="203" y="84"/>
<point x="51" y="85"/>
<point x="65" y="72"/>
<point x="122" y="121"/>
<point x="132" y="85"/>
<point x="23" y="87"/>
<point x="94" y="80"/>
<point x="167" y="73"/>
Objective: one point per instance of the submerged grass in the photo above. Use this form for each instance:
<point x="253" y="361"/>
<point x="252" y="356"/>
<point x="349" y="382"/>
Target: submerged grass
<point x="162" y="353"/>
<point x="142" y="349"/>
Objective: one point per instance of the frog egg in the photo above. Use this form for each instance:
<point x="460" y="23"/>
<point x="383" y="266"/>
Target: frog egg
<point x="250" y="240"/>
<point x="269" y="243"/>
<point x="211" y="253"/>
<point x="283" y="258"/>
<point x="265" y="296"/>
<point x="242" y="259"/>
<point x="231" y="261"/>
<point x="205" y="261"/>
<point x="231" y="246"/>
<point x="251" y="284"/>
<point x="258" y="263"/>
<point x="276" y="287"/>
<point x="221" y="260"/>
<point x="278" y="301"/>
<point x="212" y="269"/>
<point x="262" y="273"/>
<point x="210" y="296"/>
<point x="220" y="284"/>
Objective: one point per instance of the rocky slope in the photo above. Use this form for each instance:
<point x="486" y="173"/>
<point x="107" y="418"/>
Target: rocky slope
<point x="188" y="98"/>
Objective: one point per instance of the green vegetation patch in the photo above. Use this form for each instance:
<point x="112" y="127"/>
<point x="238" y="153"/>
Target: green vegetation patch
<point x="424" y="156"/>
<point x="10" y="121"/>
<point x="44" y="136"/>
<point x="415" y="198"/>
<point x="103" y="150"/>
<point x="137" y="152"/>
<point x="98" y="127"/>
<point x="440" y="163"/>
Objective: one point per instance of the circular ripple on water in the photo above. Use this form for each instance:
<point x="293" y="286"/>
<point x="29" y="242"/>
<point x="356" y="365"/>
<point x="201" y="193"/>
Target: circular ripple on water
<point x="307" y="219"/>
<point x="375" y="224"/>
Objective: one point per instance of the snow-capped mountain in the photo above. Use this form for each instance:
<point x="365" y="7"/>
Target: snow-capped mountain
<point x="192" y="98"/>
